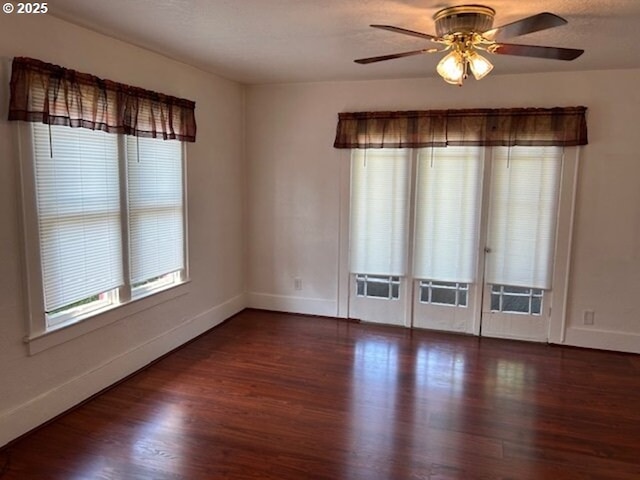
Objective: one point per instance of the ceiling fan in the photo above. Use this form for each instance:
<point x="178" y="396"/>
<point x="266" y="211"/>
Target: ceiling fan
<point x="466" y="29"/>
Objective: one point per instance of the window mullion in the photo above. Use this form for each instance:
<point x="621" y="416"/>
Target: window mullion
<point x="184" y="274"/>
<point x="409" y="281"/>
<point x="124" y="291"/>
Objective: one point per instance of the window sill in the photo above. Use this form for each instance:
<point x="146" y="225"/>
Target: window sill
<point x="64" y="332"/>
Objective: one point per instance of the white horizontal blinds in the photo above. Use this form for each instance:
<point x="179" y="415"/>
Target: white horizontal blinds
<point x="379" y="206"/>
<point x="156" y="224"/>
<point x="447" y="213"/>
<point x="522" y="216"/>
<point x="78" y="199"/>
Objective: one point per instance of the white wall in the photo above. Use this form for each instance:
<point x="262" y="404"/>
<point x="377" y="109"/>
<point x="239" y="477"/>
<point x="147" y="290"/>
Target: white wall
<point x="295" y="177"/>
<point x="34" y="388"/>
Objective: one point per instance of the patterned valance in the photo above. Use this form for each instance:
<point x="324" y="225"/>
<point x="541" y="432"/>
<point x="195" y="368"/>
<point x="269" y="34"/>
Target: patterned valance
<point x="50" y="94"/>
<point x="560" y="126"/>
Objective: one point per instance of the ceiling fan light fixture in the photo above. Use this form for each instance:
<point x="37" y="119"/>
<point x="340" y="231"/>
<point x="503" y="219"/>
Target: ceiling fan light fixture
<point x="480" y="66"/>
<point x="452" y="68"/>
<point x="464" y="30"/>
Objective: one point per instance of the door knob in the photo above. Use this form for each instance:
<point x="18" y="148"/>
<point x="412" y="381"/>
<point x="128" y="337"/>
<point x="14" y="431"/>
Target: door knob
<point x="487" y="250"/>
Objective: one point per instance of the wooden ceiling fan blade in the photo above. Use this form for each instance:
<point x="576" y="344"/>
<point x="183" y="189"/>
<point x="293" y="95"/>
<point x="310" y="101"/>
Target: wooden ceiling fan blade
<point x="381" y="58"/>
<point x="537" y="51"/>
<point x="535" y="23"/>
<point x="404" y="31"/>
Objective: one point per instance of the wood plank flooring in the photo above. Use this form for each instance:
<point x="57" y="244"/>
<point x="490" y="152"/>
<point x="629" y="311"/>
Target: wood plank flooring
<point x="277" y="396"/>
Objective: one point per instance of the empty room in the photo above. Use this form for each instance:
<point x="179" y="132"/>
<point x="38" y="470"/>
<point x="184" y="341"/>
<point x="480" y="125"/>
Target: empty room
<point x="319" y="239"/>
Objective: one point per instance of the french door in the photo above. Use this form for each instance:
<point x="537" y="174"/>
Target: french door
<point x="448" y="219"/>
<point x="468" y="240"/>
<point x="519" y="249"/>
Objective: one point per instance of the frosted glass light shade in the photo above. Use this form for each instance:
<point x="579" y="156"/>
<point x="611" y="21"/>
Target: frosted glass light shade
<point x="480" y="66"/>
<point x="451" y="68"/>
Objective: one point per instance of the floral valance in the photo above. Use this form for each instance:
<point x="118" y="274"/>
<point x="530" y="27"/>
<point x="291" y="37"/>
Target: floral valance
<point x="50" y="94"/>
<point x="560" y="126"/>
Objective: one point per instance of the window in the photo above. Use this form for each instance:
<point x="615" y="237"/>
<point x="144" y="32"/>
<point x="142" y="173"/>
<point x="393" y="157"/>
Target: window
<point x="377" y="286"/>
<point x="156" y="223"/>
<point x="79" y="224"/>
<point x="110" y="219"/>
<point x="444" y="293"/>
<point x="516" y="300"/>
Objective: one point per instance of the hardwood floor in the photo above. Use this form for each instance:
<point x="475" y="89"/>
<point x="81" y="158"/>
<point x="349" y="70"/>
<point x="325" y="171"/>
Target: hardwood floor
<point x="275" y="396"/>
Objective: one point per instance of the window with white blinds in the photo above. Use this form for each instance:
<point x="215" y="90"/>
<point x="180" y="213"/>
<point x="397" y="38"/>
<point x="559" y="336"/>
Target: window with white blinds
<point x="379" y="211"/>
<point x="155" y="193"/>
<point x="78" y="209"/>
<point x="80" y="179"/>
<point x="522" y="217"/>
<point x="447" y="213"/>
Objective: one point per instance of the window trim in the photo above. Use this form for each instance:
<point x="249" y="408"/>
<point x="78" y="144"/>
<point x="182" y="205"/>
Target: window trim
<point x="40" y="335"/>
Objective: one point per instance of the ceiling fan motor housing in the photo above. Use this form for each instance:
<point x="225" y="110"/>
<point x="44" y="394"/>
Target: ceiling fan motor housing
<point x="463" y="19"/>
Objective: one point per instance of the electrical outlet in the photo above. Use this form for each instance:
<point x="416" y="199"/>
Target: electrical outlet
<point x="589" y="317"/>
<point x="297" y="283"/>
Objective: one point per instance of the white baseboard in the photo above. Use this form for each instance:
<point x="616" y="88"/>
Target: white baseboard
<point x="603" y="339"/>
<point x="282" y="303"/>
<point x="35" y="412"/>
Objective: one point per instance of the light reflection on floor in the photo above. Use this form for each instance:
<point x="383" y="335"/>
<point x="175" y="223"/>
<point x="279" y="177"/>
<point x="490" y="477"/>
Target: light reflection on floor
<point x="510" y="379"/>
<point x="438" y="369"/>
<point x="507" y="385"/>
<point x="158" y="439"/>
<point x="374" y="397"/>
<point x="155" y="439"/>
<point x="379" y="388"/>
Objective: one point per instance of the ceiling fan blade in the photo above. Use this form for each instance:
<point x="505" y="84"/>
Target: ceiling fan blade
<point x="404" y="31"/>
<point x="381" y="58"/>
<point x="537" y="51"/>
<point x="535" y="23"/>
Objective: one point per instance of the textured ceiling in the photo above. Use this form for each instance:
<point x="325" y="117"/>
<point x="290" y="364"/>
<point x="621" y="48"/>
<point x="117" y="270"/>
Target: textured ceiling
<point x="272" y="41"/>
